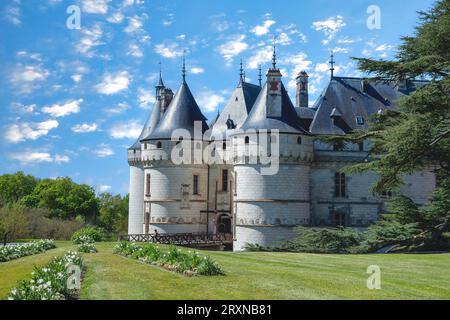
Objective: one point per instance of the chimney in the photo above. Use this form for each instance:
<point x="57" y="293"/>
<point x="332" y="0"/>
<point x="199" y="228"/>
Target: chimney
<point x="274" y="89"/>
<point x="364" y="85"/>
<point x="166" y="98"/>
<point x="302" y="90"/>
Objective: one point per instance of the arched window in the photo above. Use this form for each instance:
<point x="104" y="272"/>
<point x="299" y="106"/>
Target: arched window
<point x="247" y="140"/>
<point x="224" y="146"/>
<point x="299" y="140"/>
<point x="158" y="145"/>
<point x="145" y="146"/>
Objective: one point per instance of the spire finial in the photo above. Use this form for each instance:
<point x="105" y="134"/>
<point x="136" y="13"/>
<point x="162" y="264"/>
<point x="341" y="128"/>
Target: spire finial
<point x="241" y="72"/>
<point x="332" y="64"/>
<point x="184" y="66"/>
<point x="274" y="57"/>
<point x="260" y="76"/>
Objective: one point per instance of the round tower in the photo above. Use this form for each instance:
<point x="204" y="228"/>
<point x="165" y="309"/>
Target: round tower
<point x="136" y="189"/>
<point x="175" y="194"/>
<point x="269" y="204"/>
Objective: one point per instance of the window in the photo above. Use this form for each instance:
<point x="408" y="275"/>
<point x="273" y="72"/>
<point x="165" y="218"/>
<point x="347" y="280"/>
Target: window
<point x="147" y="184"/>
<point x="145" y="146"/>
<point x="158" y="145"/>
<point x="339" y="185"/>
<point x="299" y="140"/>
<point x="247" y="140"/>
<point x="224" y="146"/>
<point x="225" y="180"/>
<point x="361" y="146"/>
<point x="195" y="184"/>
<point x="360" y="120"/>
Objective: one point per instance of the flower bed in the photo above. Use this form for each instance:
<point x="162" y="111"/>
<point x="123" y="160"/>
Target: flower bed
<point x="86" y="244"/>
<point x="8" y="253"/>
<point x="188" y="263"/>
<point x="50" y="282"/>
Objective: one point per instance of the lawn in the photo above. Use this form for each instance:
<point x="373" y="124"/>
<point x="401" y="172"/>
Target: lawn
<point x="252" y="275"/>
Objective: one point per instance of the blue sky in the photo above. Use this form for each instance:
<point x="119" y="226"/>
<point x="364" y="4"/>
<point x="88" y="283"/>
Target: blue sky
<point x="72" y="101"/>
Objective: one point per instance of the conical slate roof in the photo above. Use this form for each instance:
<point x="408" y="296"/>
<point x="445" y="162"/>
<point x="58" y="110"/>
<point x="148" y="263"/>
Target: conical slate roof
<point x="150" y="124"/>
<point x="237" y="109"/>
<point x="287" y="123"/>
<point x="181" y="114"/>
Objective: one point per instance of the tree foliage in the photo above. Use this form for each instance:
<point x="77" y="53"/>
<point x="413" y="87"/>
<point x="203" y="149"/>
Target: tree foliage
<point x="64" y="199"/>
<point x="14" y="187"/>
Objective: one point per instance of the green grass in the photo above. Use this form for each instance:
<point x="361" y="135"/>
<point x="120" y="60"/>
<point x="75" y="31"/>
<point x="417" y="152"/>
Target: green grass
<point x="253" y="275"/>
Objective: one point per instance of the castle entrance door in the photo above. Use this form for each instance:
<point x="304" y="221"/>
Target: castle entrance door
<point x="223" y="226"/>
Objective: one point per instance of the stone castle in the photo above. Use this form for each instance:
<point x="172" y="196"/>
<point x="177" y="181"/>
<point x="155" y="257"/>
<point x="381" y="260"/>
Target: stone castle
<point x="234" y="197"/>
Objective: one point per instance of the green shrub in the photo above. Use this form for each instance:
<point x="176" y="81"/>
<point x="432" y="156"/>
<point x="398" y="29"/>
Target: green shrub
<point x="324" y="240"/>
<point x="94" y="233"/>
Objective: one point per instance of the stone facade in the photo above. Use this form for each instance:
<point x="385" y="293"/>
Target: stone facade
<point x="309" y="188"/>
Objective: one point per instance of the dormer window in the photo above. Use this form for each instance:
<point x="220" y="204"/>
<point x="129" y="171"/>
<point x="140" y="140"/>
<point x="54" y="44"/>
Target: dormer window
<point x="360" y="120"/>
<point x="230" y="124"/>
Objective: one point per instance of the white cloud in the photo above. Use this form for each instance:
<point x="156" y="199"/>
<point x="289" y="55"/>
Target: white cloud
<point x="135" y="24"/>
<point x="13" y="14"/>
<point x="103" y="188"/>
<point x="169" y="50"/>
<point x="260" y="30"/>
<point x="197" y="70"/>
<point x="85" y="127"/>
<point x="384" y="47"/>
<point x="126" y="130"/>
<point x="169" y="20"/>
<point x="121" y="107"/>
<point x="232" y="48"/>
<point x="20" y="132"/>
<point x="261" y="56"/>
<point x="135" y="51"/>
<point x="21" y="108"/>
<point x="89" y="40"/>
<point x="29" y="157"/>
<point x="104" y="151"/>
<point x="209" y="100"/>
<point x="283" y="39"/>
<point x="329" y="27"/>
<point x="322" y="67"/>
<point x="113" y="83"/>
<point x="61" y="110"/>
<point x="145" y="98"/>
<point x="95" y="6"/>
<point x="116" y="17"/>
<point x="28" y="77"/>
<point x="61" y="158"/>
<point x="77" y="77"/>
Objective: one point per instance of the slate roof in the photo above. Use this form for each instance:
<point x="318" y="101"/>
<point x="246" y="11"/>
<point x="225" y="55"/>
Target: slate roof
<point x="237" y="109"/>
<point x="150" y="124"/>
<point x="289" y="122"/>
<point x="346" y="97"/>
<point x="181" y="114"/>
